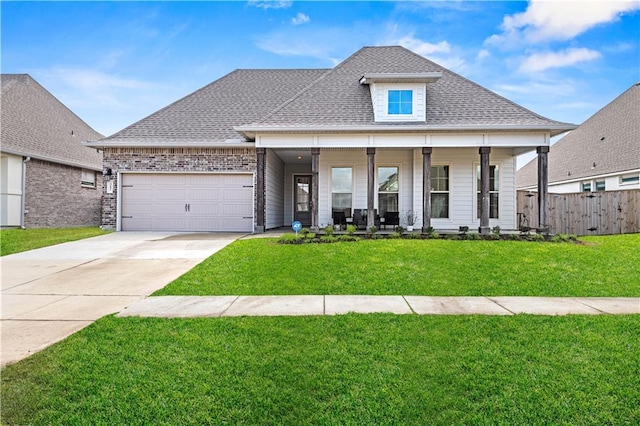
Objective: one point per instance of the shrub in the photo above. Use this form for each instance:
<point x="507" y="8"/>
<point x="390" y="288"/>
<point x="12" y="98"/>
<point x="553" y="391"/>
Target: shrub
<point x="395" y="235"/>
<point x="345" y="237"/>
<point x="496" y="230"/>
<point x="564" y="238"/>
<point x="474" y="236"/>
<point x="536" y="237"/>
<point x="351" y="229"/>
<point x="373" y="229"/>
<point x="290" y="239"/>
<point x="399" y="229"/>
<point x="305" y="231"/>
<point x="328" y="230"/>
<point x="492" y="236"/>
<point x="310" y="235"/>
<point x="328" y="239"/>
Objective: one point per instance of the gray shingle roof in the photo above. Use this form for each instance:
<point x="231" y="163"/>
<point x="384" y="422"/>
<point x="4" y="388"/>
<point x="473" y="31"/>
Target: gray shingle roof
<point x="618" y="123"/>
<point x="209" y="114"/>
<point x="35" y="123"/>
<point x="338" y="98"/>
<point x="328" y="99"/>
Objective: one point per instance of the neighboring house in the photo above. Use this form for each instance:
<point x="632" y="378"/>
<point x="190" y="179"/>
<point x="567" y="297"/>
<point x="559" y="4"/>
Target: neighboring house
<point x="385" y="130"/>
<point x="602" y="154"/>
<point x="47" y="177"/>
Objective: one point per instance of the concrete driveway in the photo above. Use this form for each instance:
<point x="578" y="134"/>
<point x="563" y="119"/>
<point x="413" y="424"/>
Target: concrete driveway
<point x="52" y="292"/>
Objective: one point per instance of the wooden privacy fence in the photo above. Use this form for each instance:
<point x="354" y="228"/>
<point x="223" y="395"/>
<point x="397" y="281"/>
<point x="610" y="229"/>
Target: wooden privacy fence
<point x="584" y="213"/>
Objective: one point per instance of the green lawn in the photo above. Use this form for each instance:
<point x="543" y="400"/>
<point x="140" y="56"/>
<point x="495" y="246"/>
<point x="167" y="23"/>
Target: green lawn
<point x="603" y="266"/>
<point x="19" y="240"/>
<point x="352" y="369"/>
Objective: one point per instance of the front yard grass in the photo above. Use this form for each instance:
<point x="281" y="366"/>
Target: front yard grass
<point x="19" y="240"/>
<point x="377" y="369"/>
<point x="603" y="266"/>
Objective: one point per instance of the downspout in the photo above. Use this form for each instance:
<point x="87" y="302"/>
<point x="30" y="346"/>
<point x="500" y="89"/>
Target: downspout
<point x="24" y="191"/>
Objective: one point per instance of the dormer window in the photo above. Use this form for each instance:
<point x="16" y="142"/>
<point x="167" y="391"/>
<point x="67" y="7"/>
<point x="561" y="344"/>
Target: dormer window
<point x="400" y="102"/>
<point x="399" y="97"/>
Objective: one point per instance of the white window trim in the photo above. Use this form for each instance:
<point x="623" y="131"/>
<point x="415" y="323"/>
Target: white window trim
<point x="627" y="176"/>
<point x="415" y="116"/>
<point x="377" y="184"/>
<point x="353" y="184"/>
<point x="449" y="218"/>
<point x="86" y="183"/>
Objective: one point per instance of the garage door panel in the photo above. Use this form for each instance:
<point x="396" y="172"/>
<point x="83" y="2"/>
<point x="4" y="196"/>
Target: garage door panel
<point x="187" y="202"/>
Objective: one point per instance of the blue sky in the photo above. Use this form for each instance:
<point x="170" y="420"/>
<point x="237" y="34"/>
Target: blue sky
<point x="114" y="63"/>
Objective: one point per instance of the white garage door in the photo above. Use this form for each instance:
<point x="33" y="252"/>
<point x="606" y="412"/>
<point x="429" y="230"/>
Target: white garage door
<point x="187" y="202"/>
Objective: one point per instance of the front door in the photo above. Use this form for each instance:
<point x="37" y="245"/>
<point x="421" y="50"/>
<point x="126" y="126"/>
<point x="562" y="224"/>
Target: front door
<point x="302" y="199"/>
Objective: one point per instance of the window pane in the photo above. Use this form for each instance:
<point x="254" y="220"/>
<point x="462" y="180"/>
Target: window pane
<point x="388" y="179"/>
<point x="439" y="178"/>
<point x="600" y="185"/>
<point x="339" y="202"/>
<point x="341" y="179"/>
<point x="387" y="203"/>
<point x="406" y="96"/>
<point x="439" y="206"/>
<point x="394" y="96"/>
<point x="586" y="187"/>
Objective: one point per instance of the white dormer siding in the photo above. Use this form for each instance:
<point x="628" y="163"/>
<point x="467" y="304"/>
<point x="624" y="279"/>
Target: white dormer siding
<point x="380" y="102"/>
<point x="384" y="86"/>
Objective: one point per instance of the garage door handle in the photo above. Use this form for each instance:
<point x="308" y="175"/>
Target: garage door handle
<point x="187" y="207"/>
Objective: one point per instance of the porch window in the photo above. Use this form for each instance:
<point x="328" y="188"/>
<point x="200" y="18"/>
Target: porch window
<point x="439" y="192"/>
<point x="341" y="192"/>
<point x="387" y="189"/>
<point x="494" y="194"/>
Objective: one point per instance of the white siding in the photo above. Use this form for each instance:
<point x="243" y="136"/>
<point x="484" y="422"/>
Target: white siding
<point x="612" y="183"/>
<point x="274" y="198"/>
<point x="462" y="164"/>
<point x="10" y="190"/>
<point x="357" y="159"/>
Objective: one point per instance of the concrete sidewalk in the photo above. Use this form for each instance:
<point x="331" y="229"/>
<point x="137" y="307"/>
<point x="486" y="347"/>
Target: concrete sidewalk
<point x="52" y="292"/>
<point x="230" y="306"/>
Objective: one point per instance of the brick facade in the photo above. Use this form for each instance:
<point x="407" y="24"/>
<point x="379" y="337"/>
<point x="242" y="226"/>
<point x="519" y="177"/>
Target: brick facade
<point x="55" y="198"/>
<point x="179" y="160"/>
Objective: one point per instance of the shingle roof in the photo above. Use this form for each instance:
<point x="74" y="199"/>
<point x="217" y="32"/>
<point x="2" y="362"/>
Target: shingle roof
<point x="328" y="99"/>
<point x="618" y="123"/>
<point x="209" y="114"/>
<point x="35" y="123"/>
<point x="338" y="98"/>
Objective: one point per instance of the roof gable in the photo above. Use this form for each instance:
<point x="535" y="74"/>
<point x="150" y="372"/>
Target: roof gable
<point x="35" y="123"/>
<point x="610" y="139"/>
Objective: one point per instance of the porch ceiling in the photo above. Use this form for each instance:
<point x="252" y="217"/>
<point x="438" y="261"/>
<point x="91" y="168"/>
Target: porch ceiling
<point x="297" y="156"/>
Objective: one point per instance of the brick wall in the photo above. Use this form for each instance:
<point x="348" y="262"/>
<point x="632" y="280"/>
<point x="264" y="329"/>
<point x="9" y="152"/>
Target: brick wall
<point x="55" y="198"/>
<point x="185" y="160"/>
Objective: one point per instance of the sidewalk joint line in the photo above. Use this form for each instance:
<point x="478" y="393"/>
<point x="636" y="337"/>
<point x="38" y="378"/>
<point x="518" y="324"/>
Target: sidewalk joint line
<point x="589" y="306"/>
<point x="228" y="307"/>
<point x="503" y="307"/>
<point x="409" y="305"/>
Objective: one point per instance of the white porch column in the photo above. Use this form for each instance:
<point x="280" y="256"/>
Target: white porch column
<point x="426" y="188"/>
<point x="260" y="188"/>
<point x="315" y="168"/>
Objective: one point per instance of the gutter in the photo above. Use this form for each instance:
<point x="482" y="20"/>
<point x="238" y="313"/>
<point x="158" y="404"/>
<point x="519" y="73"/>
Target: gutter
<point x="24" y="192"/>
<point x="250" y="130"/>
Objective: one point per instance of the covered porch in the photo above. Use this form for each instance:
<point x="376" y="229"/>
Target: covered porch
<point x="440" y="187"/>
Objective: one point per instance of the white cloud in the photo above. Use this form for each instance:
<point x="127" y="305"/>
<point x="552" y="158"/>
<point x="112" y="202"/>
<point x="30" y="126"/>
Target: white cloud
<point x="559" y="19"/>
<point x="270" y="4"/>
<point x="483" y="54"/>
<point x="543" y="61"/>
<point x="421" y="47"/>
<point x="300" y="19"/>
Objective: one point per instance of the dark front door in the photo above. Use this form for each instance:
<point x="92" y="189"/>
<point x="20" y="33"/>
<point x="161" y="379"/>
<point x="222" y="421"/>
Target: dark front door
<point x="302" y="199"/>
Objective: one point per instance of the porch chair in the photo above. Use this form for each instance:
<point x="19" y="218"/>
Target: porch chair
<point x="391" y="218"/>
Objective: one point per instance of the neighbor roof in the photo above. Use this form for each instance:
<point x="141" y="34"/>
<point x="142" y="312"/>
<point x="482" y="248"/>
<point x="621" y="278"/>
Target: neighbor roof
<point x="235" y="107"/>
<point x="36" y="124"/>
<point x="610" y="139"/>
